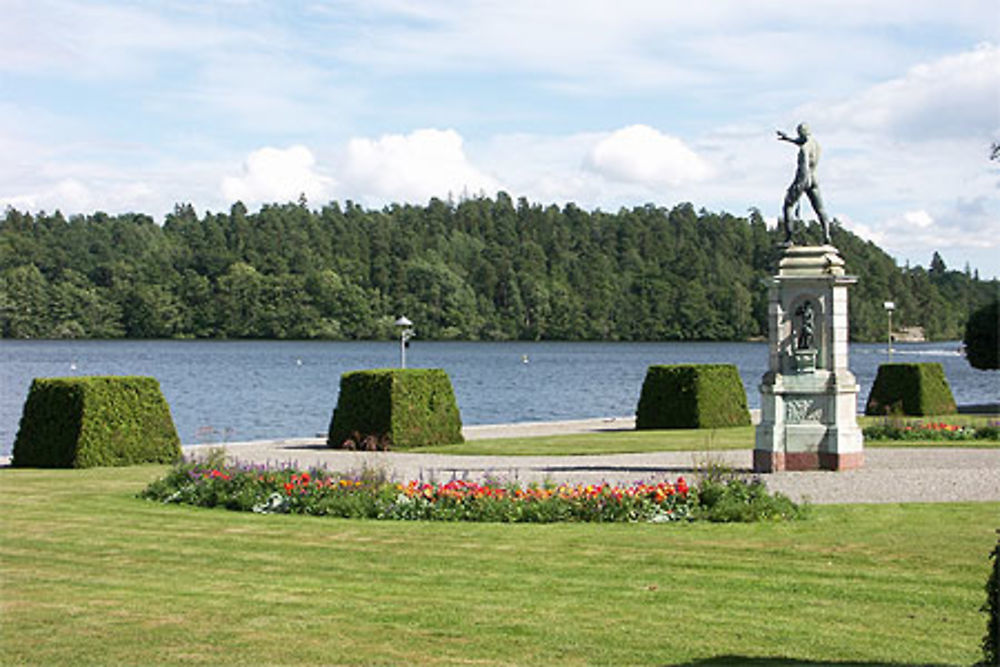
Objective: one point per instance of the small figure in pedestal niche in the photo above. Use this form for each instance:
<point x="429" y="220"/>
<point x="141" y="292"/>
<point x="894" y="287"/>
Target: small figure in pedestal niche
<point x="805" y="182"/>
<point x="807" y="323"/>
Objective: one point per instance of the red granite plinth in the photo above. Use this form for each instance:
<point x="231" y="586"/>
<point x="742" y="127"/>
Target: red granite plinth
<point x="764" y="461"/>
<point x="845" y="461"/>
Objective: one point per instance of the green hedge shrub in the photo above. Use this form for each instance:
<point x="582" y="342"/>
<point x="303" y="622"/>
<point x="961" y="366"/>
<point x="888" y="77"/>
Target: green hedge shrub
<point x="692" y="396"/>
<point x="991" y="640"/>
<point x="911" y="389"/>
<point x="381" y="409"/>
<point x="95" y="421"/>
<point x="982" y="340"/>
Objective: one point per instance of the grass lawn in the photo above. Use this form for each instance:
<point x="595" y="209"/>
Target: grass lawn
<point x="92" y="575"/>
<point x="605" y="442"/>
<point x="682" y="440"/>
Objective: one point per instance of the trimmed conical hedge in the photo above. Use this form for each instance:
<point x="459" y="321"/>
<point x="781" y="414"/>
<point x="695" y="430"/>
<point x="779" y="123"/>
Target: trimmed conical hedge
<point x="386" y="408"/>
<point x="692" y="396"/>
<point x="917" y="389"/>
<point x="95" y="421"/>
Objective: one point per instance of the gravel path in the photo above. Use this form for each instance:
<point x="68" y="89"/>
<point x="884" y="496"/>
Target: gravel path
<point x="889" y="475"/>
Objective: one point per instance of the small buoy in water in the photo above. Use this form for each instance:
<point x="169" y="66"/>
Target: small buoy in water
<point x="524" y="358"/>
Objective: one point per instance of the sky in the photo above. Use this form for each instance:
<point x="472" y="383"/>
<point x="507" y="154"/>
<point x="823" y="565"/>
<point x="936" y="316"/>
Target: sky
<point x="137" y="106"/>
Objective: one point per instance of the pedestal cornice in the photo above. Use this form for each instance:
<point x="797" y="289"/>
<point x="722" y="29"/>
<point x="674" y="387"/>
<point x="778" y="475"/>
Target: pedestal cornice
<point x="810" y="262"/>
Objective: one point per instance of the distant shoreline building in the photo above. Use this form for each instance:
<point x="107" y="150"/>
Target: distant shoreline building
<point x="909" y="335"/>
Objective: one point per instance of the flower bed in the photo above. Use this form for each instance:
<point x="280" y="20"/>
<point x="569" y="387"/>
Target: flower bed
<point x="897" y="430"/>
<point x="371" y="495"/>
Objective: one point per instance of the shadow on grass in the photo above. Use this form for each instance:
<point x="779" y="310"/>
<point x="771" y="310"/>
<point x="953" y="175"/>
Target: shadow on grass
<point x="776" y="662"/>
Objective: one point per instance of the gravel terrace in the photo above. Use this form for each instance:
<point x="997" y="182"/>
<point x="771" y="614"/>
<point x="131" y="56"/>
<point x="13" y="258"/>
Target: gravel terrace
<point x="890" y="475"/>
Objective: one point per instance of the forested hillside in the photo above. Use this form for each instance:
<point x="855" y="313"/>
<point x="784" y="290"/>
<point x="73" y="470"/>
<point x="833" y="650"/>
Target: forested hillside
<point x="481" y="269"/>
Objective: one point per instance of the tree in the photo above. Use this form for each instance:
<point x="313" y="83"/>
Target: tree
<point x="150" y="311"/>
<point x="982" y="348"/>
<point x="80" y="309"/>
<point x="937" y="265"/>
<point x="24" y="303"/>
<point x="481" y="269"/>
<point x="239" y="296"/>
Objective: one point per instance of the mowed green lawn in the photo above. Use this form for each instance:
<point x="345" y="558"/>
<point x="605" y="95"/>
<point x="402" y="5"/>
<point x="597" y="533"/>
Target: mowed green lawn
<point x="604" y="442"/>
<point x="90" y="574"/>
<point x="680" y="440"/>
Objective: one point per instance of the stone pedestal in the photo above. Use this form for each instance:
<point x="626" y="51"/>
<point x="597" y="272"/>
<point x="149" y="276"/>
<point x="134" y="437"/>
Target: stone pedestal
<point x="809" y="396"/>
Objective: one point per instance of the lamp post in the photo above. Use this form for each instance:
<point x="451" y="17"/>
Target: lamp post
<point x="405" y="334"/>
<point x="889" y="307"/>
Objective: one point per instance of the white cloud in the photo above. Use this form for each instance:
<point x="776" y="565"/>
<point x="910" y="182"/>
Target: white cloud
<point x="75" y="195"/>
<point x="907" y="230"/>
<point x="954" y="96"/>
<point x="640" y="154"/>
<point x="277" y="175"/>
<point x="71" y="195"/>
<point x="414" y="167"/>
<point x="545" y="168"/>
<point x="629" y="166"/>
<point x="966" y="229"/>
<point x="919" y="219"/>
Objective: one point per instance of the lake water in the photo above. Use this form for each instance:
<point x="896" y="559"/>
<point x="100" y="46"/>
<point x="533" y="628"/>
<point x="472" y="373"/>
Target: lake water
<point x="250" y="390"/>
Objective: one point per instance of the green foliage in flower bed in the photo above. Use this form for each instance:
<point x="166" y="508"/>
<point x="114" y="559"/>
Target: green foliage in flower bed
<point x="692" y="396"/>
<point x="371" y="495"/>
<point x="895" y="429"/>
<point x="95" y="421"/>
<point x="735" y="500"/>
<point x="911" y="389"/>
<point x="382" y="409"/>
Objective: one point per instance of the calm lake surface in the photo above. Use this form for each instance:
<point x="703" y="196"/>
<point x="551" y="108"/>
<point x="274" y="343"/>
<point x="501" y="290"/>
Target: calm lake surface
<point x="252" y="390"/>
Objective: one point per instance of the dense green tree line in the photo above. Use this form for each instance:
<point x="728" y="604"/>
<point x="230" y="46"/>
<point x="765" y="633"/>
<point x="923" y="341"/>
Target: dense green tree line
<point x="481" y="269"/>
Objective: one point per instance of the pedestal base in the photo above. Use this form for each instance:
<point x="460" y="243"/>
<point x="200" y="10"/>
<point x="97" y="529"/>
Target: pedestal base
<point x="808" y="422"/>
<point x="808" y="394"/>
<point x="764" y="461"/>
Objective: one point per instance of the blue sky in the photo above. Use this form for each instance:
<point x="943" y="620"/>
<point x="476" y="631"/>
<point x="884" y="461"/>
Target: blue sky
<point x="135" y="106"/>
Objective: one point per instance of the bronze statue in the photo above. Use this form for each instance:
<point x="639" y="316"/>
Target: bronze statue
<point x="805" y="182"/>
<point x="807" y="319"/>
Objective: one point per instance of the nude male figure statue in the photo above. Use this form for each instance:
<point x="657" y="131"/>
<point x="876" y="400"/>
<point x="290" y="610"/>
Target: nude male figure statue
<point x="805" y="181"/>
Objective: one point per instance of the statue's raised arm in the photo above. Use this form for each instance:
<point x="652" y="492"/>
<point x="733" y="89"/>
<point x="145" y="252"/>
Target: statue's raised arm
<point x="784" y="137"/>
<point x="805" y="181"/>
